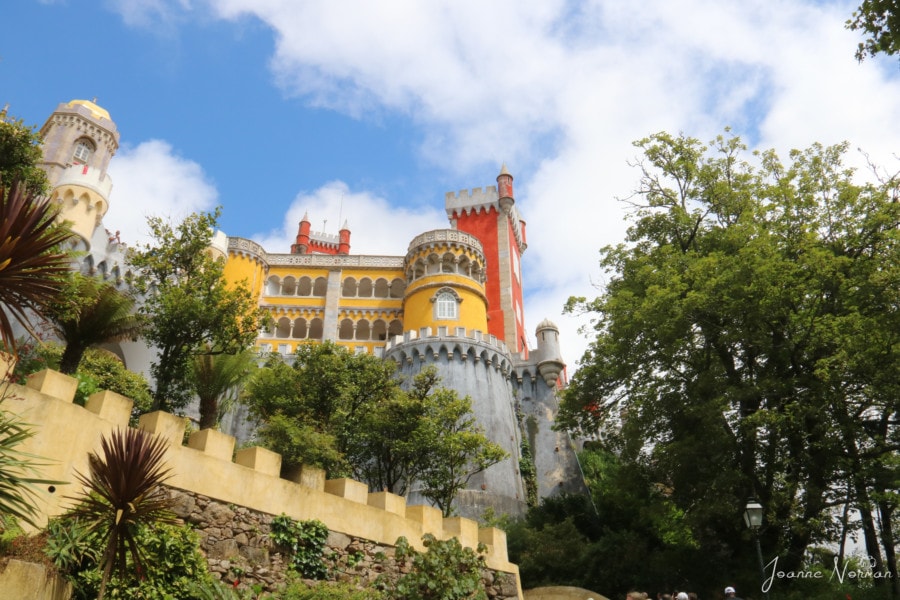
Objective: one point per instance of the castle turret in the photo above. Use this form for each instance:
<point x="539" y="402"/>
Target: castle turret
<point x="344" y="239"/>
<point x="302" y="243"/>
<point x="550" y="363"/>
<point x="79" y="139"/>
<point x="445" y="282"/>
<point x="505" y="189"/>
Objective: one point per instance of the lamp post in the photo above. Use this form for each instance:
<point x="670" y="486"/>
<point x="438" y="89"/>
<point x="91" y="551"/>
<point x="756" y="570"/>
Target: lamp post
<point x="753" y="517"/>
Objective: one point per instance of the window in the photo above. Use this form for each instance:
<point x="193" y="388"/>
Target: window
<point x="83" y="151"/>
<point x="445" y="306"/>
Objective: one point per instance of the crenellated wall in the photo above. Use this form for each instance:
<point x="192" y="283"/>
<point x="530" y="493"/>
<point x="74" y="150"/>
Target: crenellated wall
<point x="66" y="433"/>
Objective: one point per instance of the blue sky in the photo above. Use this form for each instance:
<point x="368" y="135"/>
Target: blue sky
<point x="368" y="112"/>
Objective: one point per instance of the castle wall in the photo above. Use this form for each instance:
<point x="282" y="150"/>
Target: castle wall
<point x="65" y="434"/>
<point x="554" y="454"/>
<point x="477" y="366"/>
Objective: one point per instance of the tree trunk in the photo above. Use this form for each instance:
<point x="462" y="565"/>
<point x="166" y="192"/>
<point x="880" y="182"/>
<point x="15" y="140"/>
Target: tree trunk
<point x="885" y="511"/>
<point x="209" y="411"/>
<point x="71" y="358"/>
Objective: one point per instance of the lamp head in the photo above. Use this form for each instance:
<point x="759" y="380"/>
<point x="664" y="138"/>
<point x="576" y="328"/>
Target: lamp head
<point x="753" y="514"/>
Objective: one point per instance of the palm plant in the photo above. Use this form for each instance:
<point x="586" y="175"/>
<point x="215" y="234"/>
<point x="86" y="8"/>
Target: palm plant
<point x="31" y="264"/>
<point x="91" y="312"/>
<point x="16" y="486"/>
<point x="122" y="494"/>
<point x="214" y="379"/>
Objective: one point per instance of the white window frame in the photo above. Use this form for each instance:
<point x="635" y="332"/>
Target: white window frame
<point x="446" y="304"/>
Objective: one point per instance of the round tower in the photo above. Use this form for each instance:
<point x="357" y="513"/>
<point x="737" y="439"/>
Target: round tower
<point x="550" y="363"/>
<point x="302" y="243"/>
<point x="344" y="239"/>
<point x="445" y="282"/>
<point x="505" y="189"/>
<point x="79" y="139"/>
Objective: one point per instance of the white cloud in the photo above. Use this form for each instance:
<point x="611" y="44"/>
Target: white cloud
<point x="559" y="90"/>
<point x="152" y="180"/>
<point x="375" y="226"/>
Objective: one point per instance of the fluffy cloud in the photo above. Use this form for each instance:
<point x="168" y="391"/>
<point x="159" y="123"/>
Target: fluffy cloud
<point x="152" y="180"/>
<point x="559" y="90"/>
<point x="333" y="205"/>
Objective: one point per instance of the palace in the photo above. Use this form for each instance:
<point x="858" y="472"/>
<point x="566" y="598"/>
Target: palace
<point x="454" y="301"/>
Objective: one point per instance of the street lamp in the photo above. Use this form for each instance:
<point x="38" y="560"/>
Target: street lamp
<point x="753" y="517"/>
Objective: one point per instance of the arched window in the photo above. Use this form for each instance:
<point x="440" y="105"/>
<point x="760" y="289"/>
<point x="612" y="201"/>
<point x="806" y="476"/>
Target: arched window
<point x="304" y="287"/>
<point x="446" y="305"/>
<point x="84" y="149"/>
<point x="349" y="287"/>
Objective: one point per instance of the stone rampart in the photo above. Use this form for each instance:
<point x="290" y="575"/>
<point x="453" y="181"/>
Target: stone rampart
<point x="65" y="434"/>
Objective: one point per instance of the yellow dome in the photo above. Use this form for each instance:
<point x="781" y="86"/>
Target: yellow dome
<point x="96" y="111"/>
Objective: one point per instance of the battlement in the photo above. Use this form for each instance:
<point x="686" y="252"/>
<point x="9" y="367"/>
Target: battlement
<point x="455" y="343"/>
<point x="65" y="434"/>
<point x="471" y="200"/>
<point x="89" y="177"/>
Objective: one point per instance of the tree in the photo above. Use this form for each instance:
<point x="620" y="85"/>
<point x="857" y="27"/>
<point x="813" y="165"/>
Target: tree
<point x="305" y="410"/>
<point x="880" y="21"/>
<point x="455" y="446"/>
<point x="189" y="307"/>
<point x="122" y="494"/>
<point x="20" y="154"/>
<point x="725" y="338"/>
<point x="88" y="313"/>
<point x="348" y="414"/>
<point x="214" y="379"/>
<point x="100" y="366"/>
<point x="31" y="265"/>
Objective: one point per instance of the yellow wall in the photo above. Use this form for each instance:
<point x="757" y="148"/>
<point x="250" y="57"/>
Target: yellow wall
<point x="418" y="309"/>
<point x="66" y="433"/>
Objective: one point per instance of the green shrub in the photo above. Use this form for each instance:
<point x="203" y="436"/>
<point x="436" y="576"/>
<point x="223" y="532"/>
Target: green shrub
<point x="445" y="571"/>
<point x="9" y="530"/>
<point x="173" y="563"/>
<point x="305" y="541"/>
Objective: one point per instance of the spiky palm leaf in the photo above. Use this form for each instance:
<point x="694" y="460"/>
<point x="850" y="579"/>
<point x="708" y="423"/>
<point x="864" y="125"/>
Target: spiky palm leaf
<point x="31" y="266"/>
<point x="89" y="313"/>
<point x="16" y="487"/>
<point x="213" y="377"/>
<point x="122" y="494"/>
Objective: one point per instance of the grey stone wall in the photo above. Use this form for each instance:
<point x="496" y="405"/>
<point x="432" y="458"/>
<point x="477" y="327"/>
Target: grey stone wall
<point x="239" y="551"/>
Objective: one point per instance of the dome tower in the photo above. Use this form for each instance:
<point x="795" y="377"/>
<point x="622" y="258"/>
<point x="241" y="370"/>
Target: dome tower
<point x="445" y="282"/>
<point x="79" y="139"/>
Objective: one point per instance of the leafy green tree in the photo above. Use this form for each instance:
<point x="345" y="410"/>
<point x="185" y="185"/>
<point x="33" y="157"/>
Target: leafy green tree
<point x="32" y="268"/>
<point x="879" y="20"/>
<point x="445" y="571"/>
<point x="189" y="307"/>
<point x="215" y="379"/>
<point x="724" y="359"/>
<point x="91" y="312"/>
<point x="455" y="447"/>
<point x="20" y="154"/>
<point x="104" y="368"/>
<point x="306" y="410"/>
<point x="426" y="434"/>
<point x="348" y="414"/>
